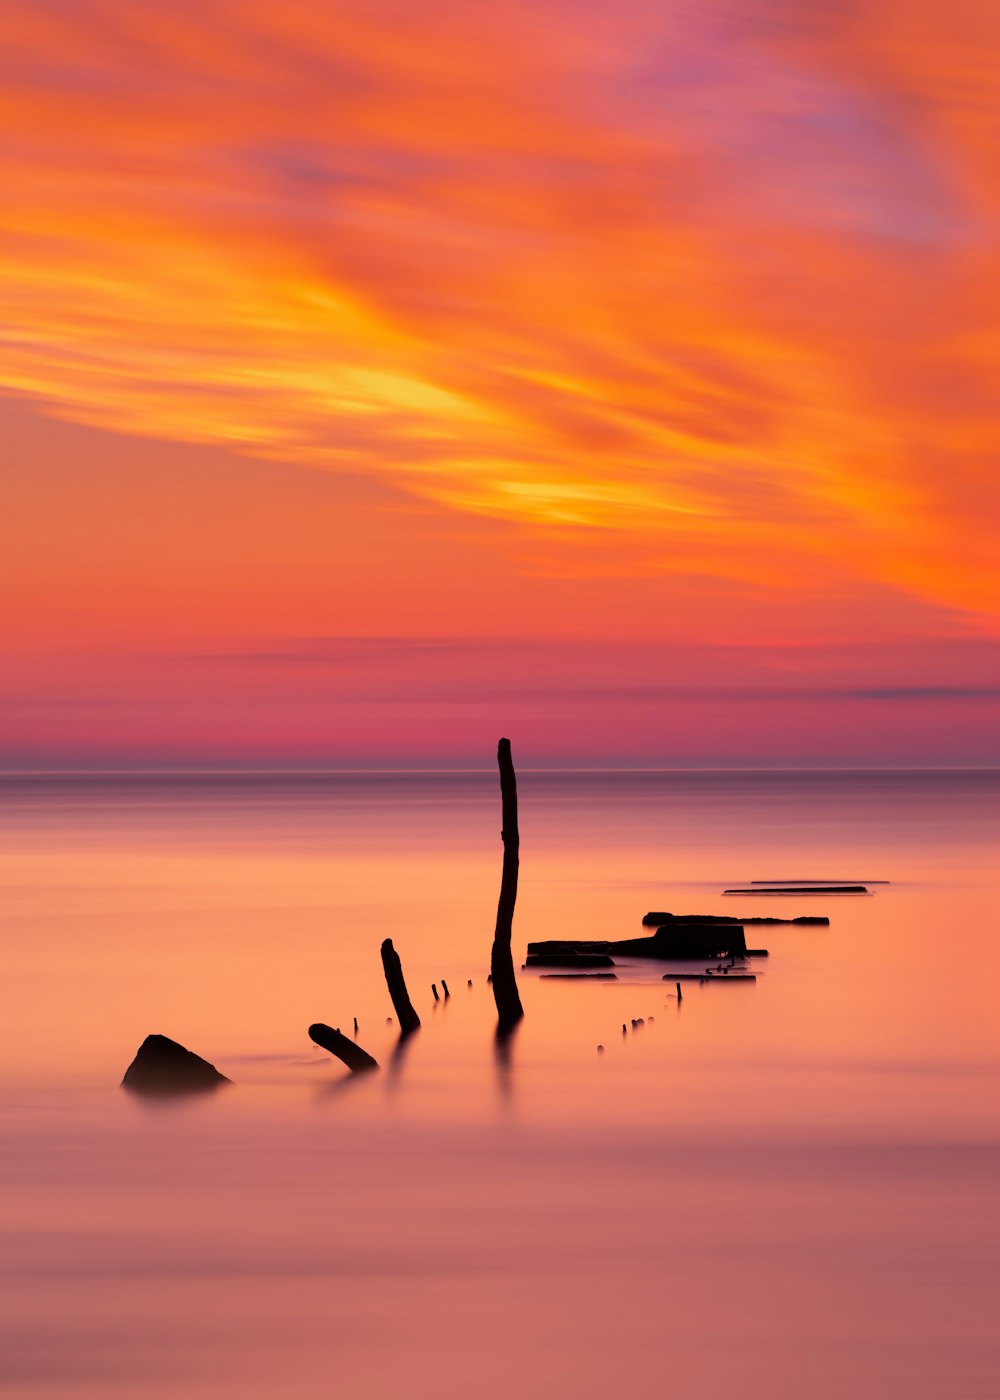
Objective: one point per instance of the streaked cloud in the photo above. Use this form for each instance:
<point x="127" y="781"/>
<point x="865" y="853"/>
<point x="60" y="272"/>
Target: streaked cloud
<point x="700" y="289"/>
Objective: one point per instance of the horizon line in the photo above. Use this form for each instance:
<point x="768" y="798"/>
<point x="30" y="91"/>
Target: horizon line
<point x="522" y="768"/>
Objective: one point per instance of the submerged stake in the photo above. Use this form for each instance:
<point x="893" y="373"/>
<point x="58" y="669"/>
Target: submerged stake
<point x="505" y="993"/>
<point x="356" y="1059"/>
<point x="393" y="969"/>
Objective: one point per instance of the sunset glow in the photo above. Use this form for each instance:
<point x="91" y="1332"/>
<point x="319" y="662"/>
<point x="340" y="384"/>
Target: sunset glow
<point x="380" y="377"/>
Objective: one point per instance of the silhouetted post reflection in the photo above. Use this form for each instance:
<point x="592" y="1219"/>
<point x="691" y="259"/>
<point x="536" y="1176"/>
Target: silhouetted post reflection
<point x="397" y="1060"/>
<point x="503" y="1045"/>
<point x="405" y="1014"/>
<point x="509" y="1008"/>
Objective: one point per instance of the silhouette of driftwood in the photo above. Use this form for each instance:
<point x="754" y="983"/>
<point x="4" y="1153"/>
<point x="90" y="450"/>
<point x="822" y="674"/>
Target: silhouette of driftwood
<point x="674" y="941"/>
<point x="505" y="993"/>
<point x="565" y="957"/>
<point x="162" y="1066"/>
<point x="356" y="1059"/>
<point x="678" y="977"/>
<point x="803" y="889"/>
<point x="658" y="917"/>
<point x="406" y="1016"/>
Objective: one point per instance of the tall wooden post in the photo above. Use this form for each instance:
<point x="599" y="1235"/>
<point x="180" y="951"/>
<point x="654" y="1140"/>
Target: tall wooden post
<point x="509" y="1008"/>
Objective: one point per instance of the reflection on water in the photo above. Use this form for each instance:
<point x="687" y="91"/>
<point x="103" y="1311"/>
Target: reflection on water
<point x="784" y="1190"/>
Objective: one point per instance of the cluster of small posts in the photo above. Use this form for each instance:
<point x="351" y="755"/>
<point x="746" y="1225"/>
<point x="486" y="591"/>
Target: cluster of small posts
<point x="161" y="1065"/>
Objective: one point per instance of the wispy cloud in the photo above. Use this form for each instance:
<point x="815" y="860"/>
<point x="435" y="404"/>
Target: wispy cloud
<point x="717" y="280"/>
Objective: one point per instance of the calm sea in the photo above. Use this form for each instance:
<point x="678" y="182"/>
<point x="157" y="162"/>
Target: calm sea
<point x="784" y="1189"/>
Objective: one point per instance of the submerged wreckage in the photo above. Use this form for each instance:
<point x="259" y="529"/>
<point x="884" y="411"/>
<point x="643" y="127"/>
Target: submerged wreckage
<point x="684" y="938"/>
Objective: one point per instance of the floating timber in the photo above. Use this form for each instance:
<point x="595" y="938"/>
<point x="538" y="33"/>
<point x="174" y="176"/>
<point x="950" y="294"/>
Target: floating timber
<point x="681" y="942"/>
<point x="802" y="889"/>
<point x="709" y="977"/>
<point x="657" y="918"/>
<point x="540" y="955"/>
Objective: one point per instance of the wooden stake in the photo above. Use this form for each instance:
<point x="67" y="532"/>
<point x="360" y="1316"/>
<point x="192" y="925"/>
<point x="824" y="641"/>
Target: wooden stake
<point x="356" y="1059"/>
<point x="505" y="993"/>
<point x="394" y="980"/>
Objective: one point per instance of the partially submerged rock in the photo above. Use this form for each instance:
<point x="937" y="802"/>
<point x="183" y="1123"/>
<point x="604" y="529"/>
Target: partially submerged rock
<point x="162" y="1066"/>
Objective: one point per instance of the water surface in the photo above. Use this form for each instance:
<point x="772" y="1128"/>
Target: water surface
<point x="781" y="1190"/>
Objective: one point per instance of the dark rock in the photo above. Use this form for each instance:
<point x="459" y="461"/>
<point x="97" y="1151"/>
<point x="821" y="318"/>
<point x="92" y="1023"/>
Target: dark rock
<point x="161" y="1066"/>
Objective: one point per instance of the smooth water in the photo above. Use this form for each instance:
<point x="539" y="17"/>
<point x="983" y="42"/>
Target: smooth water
<point x="785" y="1189"/>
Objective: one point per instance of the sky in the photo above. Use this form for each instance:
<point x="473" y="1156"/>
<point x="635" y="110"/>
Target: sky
<point x="379" y="378"/>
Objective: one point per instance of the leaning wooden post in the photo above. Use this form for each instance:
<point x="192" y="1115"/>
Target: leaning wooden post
<point x="356" y="1059"/>
<point x="509" y="1008"/>
<point x="406" y="1016"/>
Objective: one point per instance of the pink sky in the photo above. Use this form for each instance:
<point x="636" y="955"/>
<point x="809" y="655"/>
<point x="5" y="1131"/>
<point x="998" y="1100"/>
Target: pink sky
<point x="378" y="379"/>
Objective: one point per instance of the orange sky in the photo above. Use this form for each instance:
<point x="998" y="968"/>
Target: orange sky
<point x="626" y="373"/>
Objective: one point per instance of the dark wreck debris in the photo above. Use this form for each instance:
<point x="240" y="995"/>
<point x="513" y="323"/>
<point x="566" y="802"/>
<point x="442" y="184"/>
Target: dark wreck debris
<point x="687" y="941"/>
<point x="802" y="889"/>
<point x="567" y="958"/>
<point x="505" y="993"/>
<point x="708" y="977"/>
<point x="816" y="920"/>
<point x="356" y="1059"/>
<point x="408" y="1019"/>
<point x="674" y="941"/>
<point x="658" y="917"/>
<point x="162" y="1066"/>
<point x="581" y="976"/>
